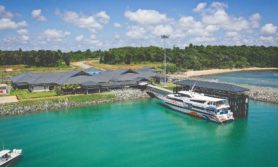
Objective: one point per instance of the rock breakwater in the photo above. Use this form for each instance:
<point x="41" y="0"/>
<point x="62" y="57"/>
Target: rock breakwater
<point x="265" y="94"/>
<point x="17" y="108"/>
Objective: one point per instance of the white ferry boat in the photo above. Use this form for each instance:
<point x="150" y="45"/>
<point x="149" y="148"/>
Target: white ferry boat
<point x="7" y="157"/>
<point x="199" y="105"/>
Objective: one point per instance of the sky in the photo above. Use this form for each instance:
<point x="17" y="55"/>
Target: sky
<point x="90" y="24"/>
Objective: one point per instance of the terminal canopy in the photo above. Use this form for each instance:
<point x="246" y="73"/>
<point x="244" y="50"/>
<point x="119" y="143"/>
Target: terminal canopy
<point x="211" y="85"/>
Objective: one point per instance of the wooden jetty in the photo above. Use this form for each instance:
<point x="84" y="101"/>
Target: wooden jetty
<point x="238" y="100"/>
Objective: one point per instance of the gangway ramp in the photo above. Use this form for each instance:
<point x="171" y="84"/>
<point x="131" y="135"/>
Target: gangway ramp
<point x="157" y="91"/>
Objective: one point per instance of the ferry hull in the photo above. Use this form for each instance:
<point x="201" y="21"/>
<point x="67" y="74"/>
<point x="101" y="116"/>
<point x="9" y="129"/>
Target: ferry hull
<point x="193" y="113"/>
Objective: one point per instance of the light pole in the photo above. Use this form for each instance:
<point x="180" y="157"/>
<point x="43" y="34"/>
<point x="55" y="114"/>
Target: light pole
<point x="164" y="37"/>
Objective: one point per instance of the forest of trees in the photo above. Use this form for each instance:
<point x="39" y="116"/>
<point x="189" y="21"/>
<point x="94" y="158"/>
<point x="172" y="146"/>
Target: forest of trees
<point x="46" y="58"/>
<point x="197" y="57"/>
<point x="34" y="58"/>
<point x="191" y="57"/>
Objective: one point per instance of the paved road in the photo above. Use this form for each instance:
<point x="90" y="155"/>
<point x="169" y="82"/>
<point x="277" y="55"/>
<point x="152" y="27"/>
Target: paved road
<point x="80" y="64"/>
<point x="8" y="99"/>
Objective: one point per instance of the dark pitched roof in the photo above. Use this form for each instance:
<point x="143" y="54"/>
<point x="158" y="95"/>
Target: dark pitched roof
<point x="24" y="77"/>
<point x="131" y="75"/>
<point x="149" y="69"/>
<point x="65" y="76"/>
<point x="43" y="78"/>
<point x="105" y="76"/>
<point x="79" y="77"/>
<point x="125" y="77"/>
<point x="111" y="75"/>
<point x="17" y="77"/>
<point x="211" y="85"/>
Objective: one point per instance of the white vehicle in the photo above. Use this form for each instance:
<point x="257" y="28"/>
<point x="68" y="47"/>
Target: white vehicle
<point x="7" y="157"/>
<point x="199" y="105"/>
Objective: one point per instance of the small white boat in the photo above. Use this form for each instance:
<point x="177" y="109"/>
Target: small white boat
<point x="8" y="156"/>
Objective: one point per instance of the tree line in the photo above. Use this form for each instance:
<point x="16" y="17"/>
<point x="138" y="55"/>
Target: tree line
<point x="197" y="57"/>
<point x="46" y="58"/>
<point x="34" y="58"/>
<point x="191" y="57"/>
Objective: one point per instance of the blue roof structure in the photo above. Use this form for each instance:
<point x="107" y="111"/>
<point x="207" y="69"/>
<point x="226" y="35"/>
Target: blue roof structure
<point x="211" y="85"/>
<point x="93" y="71"/>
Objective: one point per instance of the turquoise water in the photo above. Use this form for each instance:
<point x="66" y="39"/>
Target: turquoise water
<point x="141" y="133"/>
<point x="257" y="78"/>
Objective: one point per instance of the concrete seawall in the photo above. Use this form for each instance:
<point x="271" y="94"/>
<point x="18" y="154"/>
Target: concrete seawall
<point x="265" y="94"/>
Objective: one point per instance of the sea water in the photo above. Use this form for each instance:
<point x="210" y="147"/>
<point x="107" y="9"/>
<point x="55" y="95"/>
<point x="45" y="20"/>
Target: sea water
<point x="141" y="133"/>
<point x="257" y="78"/>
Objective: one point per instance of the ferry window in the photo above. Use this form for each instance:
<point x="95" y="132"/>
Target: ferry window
<point x="179" y="100"/>
<point x="222" y="102"/>
<point x="219" y="102"/>
<point x="185" y="95"/>
<point x="211" y="110"/>
<point x="175" y="99"/>
<point x="225" y="111"/>
<point x="198" y="101"/>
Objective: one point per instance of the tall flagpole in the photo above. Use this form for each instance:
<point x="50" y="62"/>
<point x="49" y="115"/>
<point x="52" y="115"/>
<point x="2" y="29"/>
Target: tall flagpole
<point x="164" y="37"/>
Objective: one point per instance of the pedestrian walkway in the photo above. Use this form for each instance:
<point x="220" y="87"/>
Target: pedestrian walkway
<point x="8" y="99"/>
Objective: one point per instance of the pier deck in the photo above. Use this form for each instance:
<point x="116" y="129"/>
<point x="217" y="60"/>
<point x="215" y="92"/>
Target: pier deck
<point x="238" y="100"/>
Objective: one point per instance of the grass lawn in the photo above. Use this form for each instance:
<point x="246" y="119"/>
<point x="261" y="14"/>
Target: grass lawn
<point x="96" y="64"/>
<point x="91" y="97"/>
<point x="25" y="94"/>
<point x="34" y="68"/>
<point x="69" y="98"/>
<point x="169" y="86"/>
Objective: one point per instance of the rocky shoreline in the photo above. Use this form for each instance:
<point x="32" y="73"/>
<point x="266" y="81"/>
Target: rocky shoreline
<point x="259" y="93"/>
<point x="120" y="95"/>
<point x="265" y="94"/>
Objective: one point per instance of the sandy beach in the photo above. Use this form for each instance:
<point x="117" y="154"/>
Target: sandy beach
<point x="192" y="73"/>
